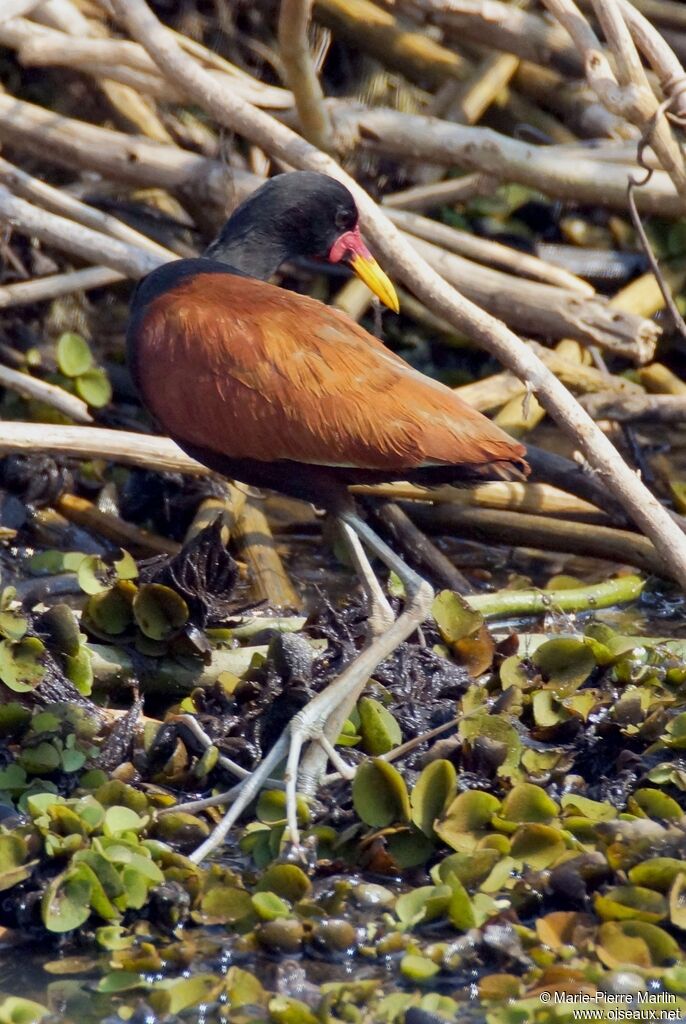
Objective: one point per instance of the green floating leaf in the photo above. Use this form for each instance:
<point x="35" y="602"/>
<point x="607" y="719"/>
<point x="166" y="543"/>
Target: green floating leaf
<point x="63" y="627"/>
<point x="409" y="848"/>
<point x="271" y="808"/>
<point x="418" y="968"/>
<point x="565" y="663"/>
<point x="79" y="669"/>
<point x="625" y="902"/>
<point x="269" y="907"/>
<point x="423" y="904"/>
<point x="40" y="759"/>
<point x="225" y="905"/>
<point x="94" y="387"/>
<point x="467" y="816"/>
<point x="635" y="944"/>
<point x="73" y="354"/>
<point x="380" y="795"/>
<point x="159" y="611"/>
<point x="13" y="722"/>
<point x="110" y="612"/>
<point x="90" y="574"/>
<point x="677" y="902"/>
<point x="379" y="730"/>
<point x="121" y="819"/>
<point x="285" y="880"/>
<point x="126" y="567"/>
<point x="655" y="804"/>
<point x="537" y="846"/>
<point x="470" y="870"/>
<point x="66" y="903"/>
<point x="21" y="664"/>
<point x="13" y="624"/>
<point x="17" y="1010"/>
<point x="460" y="909"/>
<point x="656" y="873"/>
<point x="284" y="1010"/>
<point x="435" y="788"/>
<point x="172" y="995"/>
<point x="527" y="802"/>
<point x="13" y="861"/>
<point x="573" y="804"/>
<point x="454" y="618"/>
<point x="499" y="730"/>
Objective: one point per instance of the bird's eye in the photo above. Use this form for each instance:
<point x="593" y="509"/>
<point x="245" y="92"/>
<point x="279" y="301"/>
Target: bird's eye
<point x="344" y="220"/>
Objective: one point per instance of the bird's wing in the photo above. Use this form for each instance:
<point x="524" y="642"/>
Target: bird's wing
<point x="256" y="372"/>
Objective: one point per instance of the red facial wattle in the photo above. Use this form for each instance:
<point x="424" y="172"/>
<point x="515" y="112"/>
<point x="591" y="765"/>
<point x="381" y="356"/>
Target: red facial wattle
<point x="349" y="245"/>
<point x="350" y="248"/>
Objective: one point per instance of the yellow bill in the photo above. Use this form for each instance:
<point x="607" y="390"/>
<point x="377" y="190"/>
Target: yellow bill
<point x="369" y="271"/>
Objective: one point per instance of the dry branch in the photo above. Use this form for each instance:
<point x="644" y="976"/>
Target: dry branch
<point x="636" y="408"/>
<point x="543" y="309"/>
<point x="516" y="528"/>
<point x="158" y="453"/>
<point x="77" y="145"/>
<point x="301" y="75"/>
<point x="487" y="151"/>
<point x="75" y="239"/>
<point x="39" y="390"/>
<point x="483" y="250"/>
<point x="53" y="285"/>
<point x="628" y="93"/>
<point x="503" y="27"/>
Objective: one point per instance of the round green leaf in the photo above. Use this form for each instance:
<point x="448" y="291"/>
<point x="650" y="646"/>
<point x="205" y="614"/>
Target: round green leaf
<point x="159" y="611"/>
<point x="379" y="794"/>
<point x="94" y="387"/>
<point x="73" y="354"/>
<point x="225" y="904"/>
<point x="379" y="730"/>
<point x="66" y="901"/>
<point x="624" y="902"/>
<point x="285" y="880"/>
<point x="435" y="788"/>
<point x="527" y="802"/>
<point x="21" y="665"/>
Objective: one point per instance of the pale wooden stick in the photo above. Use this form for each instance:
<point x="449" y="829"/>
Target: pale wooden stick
<point x="41" y="391"/>
<point x="300" y="72"/>
<point x="629" y="93"/>
<point x="52" y="199"/>
<point x="158" y="453"/>
<point x="70" y="237"/>
<point x="493" y="254"/>
<point x="53" y="285"/>
<point x="413" y="136"/>
<point x="402" y="261"/>
<point x="17" y="9"/>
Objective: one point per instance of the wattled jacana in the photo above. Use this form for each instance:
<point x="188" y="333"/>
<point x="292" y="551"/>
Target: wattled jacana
<point x="280" y="391"/>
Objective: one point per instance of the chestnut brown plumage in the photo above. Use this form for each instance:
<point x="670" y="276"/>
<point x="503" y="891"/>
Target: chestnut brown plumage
<point x="280" y="391"/>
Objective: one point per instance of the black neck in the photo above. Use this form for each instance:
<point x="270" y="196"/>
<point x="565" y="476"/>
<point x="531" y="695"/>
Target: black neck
<point x="254" y="253"/>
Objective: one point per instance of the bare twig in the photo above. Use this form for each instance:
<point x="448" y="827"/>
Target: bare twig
<point x="628" y="94"/>
<point x="487" y="151"/>
<point x="516" y="528"/>
<point x="70" y="237"/>
<point x="158" y="453"/>
<point x="36" y="191"/>
<point x="51" y="287"/>
<point x="49" y="394"/>
<point x="493" y="254"/>
<point x="301" y="75"/>
<point x="636" y="408"/>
